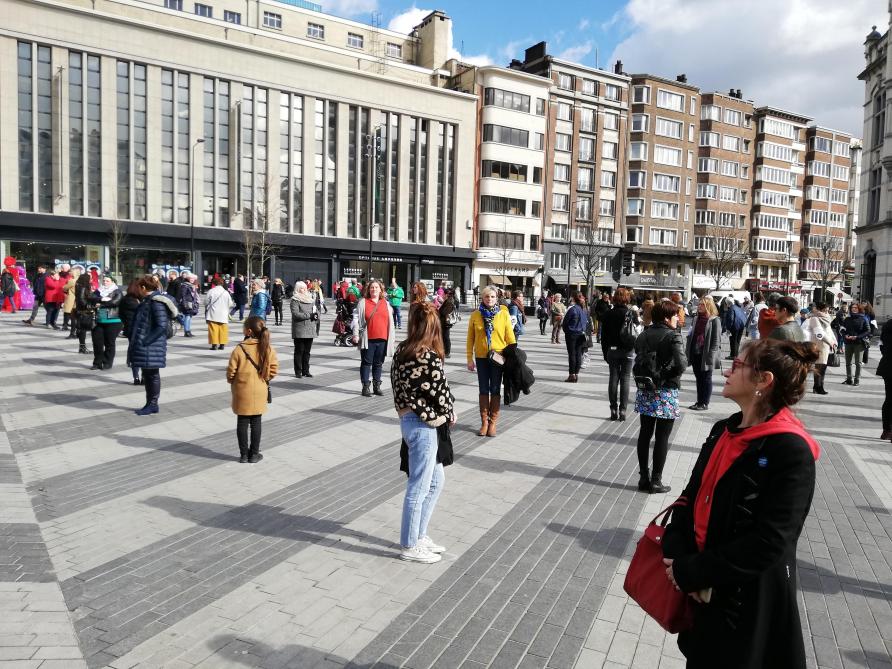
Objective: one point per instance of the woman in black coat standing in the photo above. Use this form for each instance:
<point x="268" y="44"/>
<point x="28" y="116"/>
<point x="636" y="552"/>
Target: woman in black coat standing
<point x="618" y="349"/>
<point x="732" y="547"/>
<point x="148" y="340"/>
<point x="884" y="371"/>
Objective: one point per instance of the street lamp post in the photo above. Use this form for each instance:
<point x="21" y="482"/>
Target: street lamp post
<point x="198" y="141"/>
<point x="372" y="151"/>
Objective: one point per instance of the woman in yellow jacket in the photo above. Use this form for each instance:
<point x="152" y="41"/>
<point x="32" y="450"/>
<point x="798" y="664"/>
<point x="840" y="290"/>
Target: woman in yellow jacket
<point x="252" y="366"/>
<point x="489" y="330"/>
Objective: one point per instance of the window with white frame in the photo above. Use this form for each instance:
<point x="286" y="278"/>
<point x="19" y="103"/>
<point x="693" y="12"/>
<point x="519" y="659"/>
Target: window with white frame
<point x="819" y="193"/>
<point x="688" y="185"/>
<point x="707" y="191"/>
<point x="607" y="208"/>
<point x="560" y="202"/>
<point x="612" y="92"/>
<point x="565" y="111"/>
<point x="565" y="81"/>
<point x="818" y="168"/>
<point x="687" y="217"/>
<point x="587" y="119"/>
<point x="670" y="100"/>
<point x="561" y="172"/>
<point x="818" y="265"/>
<point x="771" y="222"/>
<point x="817" y="217"/>
<point x="728" y="194"/>
<point x="355" y="40"/>
<point x="842" y="149"/>
<point x="709" y="138"/>
<point x="840" y="172"/>
<point x="557" y="260"/>
<point x="837" y="220"/>
<point x="830" y="242"/>
<point x="731" y="143"/>
<point x="589" y="86"/>
<point x="770" y="245"/>
<point x="743" y="196"/>
<point x="710" y="113"/>
<point x="587" y="149"/>
<point x="691" y="132"/>
<point x="639" y="122"/>
<point x="638" y="151"/>
<point x="692" y="107"/>
<point x="611" y="121"/>
<point x="730" y="168"/>
<point x="666" y="183"/>
<point x="776" y="151"/>
<point x="702" y="243"/>
<point x="634" y="233"/>
<point x="585" y="177"/>
<point x="663" y="236"/>
<point x="727" y="219"/>
<point x="690" y="160"/>
<point x="775" y="175"/>
<point x="822" y="144"/>
<point x="584" y="209"/>
<point x="704" y="217"/>
<point x="204" y="10"/>
<point x="664" y="209"/>
<point x="641" y="94"/>
<point x="562" y="142"/>
<point x="732" y="116"/>
<point x="839" y="196"/>
<point x="708" y="165"/>
<point x="744" y="171"/>
<point x="316" y="30"/>
<point x="635" y="206"/>
<point x="394" y="50"/>
<point x="773" y="126"/>
<point x="772" y="198"/>
<point x="667" y="155"/>
<point x="666" y="127"/>
<point x="608" y="150"/>
<point x="637" y="179"/>
<point x="272" y="20"/>
<point x="608" y="179"/>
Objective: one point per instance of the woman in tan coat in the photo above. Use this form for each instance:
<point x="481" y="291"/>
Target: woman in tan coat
<point x="252" y="365"/>
<point x="68" y="304"/>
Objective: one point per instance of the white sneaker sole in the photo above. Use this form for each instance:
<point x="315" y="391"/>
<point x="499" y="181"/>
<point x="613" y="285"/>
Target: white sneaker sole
<point x="429" y="559"/>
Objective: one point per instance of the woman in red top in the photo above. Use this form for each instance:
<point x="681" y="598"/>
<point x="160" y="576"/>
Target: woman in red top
<point x="53" y="297"/>
<point x="373" y="332"/>
<point x="733" y="546"/>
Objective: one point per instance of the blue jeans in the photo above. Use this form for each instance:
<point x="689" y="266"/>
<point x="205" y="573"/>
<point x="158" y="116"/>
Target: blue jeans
<point x="3" y="301"/>
<point x="426" y="478"/>
<point x="489" y="377"/>
<point x="397" y="315"/>
<point x="187" y="322"/>
<point x="373" y="360"/>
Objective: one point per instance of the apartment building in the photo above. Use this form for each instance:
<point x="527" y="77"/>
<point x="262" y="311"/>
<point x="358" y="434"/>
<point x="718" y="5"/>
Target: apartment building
<point x="726" y="140"/>
<point x="873" y="262"/>
<point x="779" y="173"/>
<point x="825" y="212"/>
<point x="587" y="119"/>
<point x="661" y="202"/>
<point x="510" y="169"/>
<point x="190" y="125"/>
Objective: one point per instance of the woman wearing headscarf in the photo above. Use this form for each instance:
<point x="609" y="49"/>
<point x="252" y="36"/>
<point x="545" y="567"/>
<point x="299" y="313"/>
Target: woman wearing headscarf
<point x="217" y="305"/>
<point x="304" y="316"/>
<point x="108" y="326"/>
<point x="260" y="303"/>
<point x="489" y="331"/>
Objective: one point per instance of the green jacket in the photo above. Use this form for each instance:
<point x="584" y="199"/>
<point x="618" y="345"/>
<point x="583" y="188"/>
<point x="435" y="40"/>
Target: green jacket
<point x="395" y="295"/>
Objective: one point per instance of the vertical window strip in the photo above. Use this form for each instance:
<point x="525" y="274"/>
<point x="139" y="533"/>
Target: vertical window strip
<point x="354" y="147"/>
<point x="75" y="134"/>
<point x="26" y="126"/>
<point x="223" y="154"/>
<point x="140" y="143"/>
<point x="94" y="137"/>
<point x="413" y="179"/>
<point x="394" y="194"/>
<point x="297" y="147"/>
<point x="284" y="161"/>
<point x="318" y="166"/>
<point x="183" y="173"/>
<point x="422" y="177"/>
<point x="450" y="184"/>
<point x="45" y="192"/>
<point x="363" y="138"/>
<point x="122" y="125"/>
<point x="331" y="167"/>
<point x="441" y="185"/>
<point x="247" y="166"/>
<point x="167" y="146"/>
<point x="262" y="196"/>
<point x="209" y="129"/>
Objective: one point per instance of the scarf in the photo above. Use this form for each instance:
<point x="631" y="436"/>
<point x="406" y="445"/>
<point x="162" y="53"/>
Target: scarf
<point x="731" y="446"/>
<point x="105" y="291"/>
<point x="488" y="317"/>
<point x="700" y="332"/>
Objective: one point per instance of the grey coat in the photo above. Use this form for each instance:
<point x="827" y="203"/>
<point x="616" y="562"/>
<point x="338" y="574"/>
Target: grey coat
<point x="302" y="326"/>
<point x="712" y="345"/>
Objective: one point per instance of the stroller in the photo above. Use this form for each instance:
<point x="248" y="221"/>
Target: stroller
<point x="342" y="324"/>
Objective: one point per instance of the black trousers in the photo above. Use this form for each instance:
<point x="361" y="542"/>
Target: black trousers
<point x="620" y="364"/>
<point x="277" y="311"/>
<point x="735" y="341"/>
<point x="447" y="339"/>
<point x="575" y="344"/>
<point x="105" y="335"/>
<point x="302" y="356"/>
<point x="887" y="404"/>
<point x="542" y="323"/>
<point x="152" y="380"/>
<point x="663" y="428"/>
<point x="241" y="432"/>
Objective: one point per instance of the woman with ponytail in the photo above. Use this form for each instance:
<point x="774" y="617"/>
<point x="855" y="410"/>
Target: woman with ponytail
<point x="252" y="365"/>
<point x="732" y="544"/>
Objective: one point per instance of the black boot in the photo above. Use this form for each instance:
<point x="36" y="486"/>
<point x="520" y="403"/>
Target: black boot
<point x="255" y="455"/>
<point x="82" y="349"/>
<point x="376" y="385"/>
<point x="613" y="414"/>
<point x="243" y="455"/>
<point x="644" y="481"/>
<point x="656" y="484"/>
<point x="366" y="390"/>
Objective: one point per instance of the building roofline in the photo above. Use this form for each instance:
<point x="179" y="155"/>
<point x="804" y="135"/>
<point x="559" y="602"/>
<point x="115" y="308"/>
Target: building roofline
<point x="728" y="97"/>
<point x="594" y="70"/>
<point x="673" y="82"/>
<point x="535" y="78"/>
<point x="777" y="111"/>
<point x="833" y="130"/>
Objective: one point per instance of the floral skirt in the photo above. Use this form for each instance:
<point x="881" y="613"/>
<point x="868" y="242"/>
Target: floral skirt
<point x="661" y="403"/>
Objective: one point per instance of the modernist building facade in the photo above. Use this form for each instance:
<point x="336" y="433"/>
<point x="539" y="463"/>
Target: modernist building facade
<point x="184" y="129"/>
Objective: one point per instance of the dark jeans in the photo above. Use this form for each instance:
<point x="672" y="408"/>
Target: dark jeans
<point x="575" y="342"/>
<point x="735" y="342"/>
<point x="489" y="377"/>
<point x="373" y="360"/>
<point x="704" y="380"/>
<point x="34" y="309"/>
<point x="82" y="337"/>
<point x="620" y="365"/>
<point x="152" y="381"/>
<point x="241" y="431"/>
<point x="241" y="311"/>
<point x="542" y="323"/>
<point x="397" y="316"/>
<point x="3" y="300"/>
<point x="447" y="339"/>
<point x="302" y="356"/>
<point x="52" y="312"/>
<point x="104" y="337"/>
<point x="887" y="404"/>
<point x="663" y="428"/>
<point x="277" y="311"/>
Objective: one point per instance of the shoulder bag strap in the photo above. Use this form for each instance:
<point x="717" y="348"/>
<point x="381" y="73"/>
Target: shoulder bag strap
<point x="254" y="364"/>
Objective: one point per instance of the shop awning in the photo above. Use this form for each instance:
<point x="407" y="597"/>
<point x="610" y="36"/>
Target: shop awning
<point x="499" y="279"/>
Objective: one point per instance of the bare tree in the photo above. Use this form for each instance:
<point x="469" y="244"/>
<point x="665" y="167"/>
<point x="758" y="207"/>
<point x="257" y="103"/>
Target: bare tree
<point x="117" y="239"/>
<point x="257" y="236"/>
<point x="831" y="259"/>
<point x="588" y="254"/>
<point x="725" y="251"/>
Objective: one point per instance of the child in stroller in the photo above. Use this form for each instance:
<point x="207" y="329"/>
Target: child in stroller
<point x="342" y="323"/>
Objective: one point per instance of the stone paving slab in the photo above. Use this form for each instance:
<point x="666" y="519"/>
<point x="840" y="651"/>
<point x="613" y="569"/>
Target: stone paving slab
<point x="173" y="557"/>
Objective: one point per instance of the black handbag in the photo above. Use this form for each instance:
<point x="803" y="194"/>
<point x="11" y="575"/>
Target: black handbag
<point x="86" y="320"/>
<point x="833" y="360"/>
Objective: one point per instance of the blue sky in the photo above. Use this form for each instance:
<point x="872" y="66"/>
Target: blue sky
<point x="800" y="55"/>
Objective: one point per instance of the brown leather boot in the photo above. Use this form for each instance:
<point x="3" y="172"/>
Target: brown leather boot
<point x="484" y="415"/>
<point x="494" y="402"/>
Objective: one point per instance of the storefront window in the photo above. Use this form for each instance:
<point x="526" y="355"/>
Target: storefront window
<point x="136" y="262"/>
<point x="32" y="254"/>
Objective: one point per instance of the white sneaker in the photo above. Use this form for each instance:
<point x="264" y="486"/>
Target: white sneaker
<point x="428" y="543"/>
<point x="419" y="554"/>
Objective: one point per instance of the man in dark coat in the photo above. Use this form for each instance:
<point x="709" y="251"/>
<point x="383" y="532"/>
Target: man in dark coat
<point x="39" y="293"/>
<point x="239" y="296"/>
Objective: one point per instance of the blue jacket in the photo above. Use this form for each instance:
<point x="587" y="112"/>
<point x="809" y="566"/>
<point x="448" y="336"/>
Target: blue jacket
<point x="259" y="303"/>
<point x="517" y="317"/>
<point x="575" y="320"/>
<point x="148" y="333"/>
<point x="735" y="318"/>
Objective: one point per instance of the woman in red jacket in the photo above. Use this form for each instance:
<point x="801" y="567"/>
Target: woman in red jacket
<point x="53" y="297"/>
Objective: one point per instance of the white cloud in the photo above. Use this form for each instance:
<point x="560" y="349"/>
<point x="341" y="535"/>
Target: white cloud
<point x="576" y="53"/>
<point x="800" y="55"/>
<point x="349" y="8"/>
<point x="583" y="25"/>
<point x="406" y="20"/>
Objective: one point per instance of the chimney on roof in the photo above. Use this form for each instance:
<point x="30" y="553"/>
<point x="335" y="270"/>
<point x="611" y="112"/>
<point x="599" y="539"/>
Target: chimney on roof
<point x="682" y="78"/>
<point x="732" y="94"/>
<point x="618" y="67"/>
<point x="739" y="94"/>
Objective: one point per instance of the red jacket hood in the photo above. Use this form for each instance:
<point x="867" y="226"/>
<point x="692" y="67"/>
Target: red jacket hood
<point x="782" y="422"/>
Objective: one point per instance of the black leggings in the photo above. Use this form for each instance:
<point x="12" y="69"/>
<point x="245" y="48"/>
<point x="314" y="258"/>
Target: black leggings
<point x="575" y="344"/>
<point x="663" y="428"/>
<point x="241" y="431"/>
<point x="887" y="404"/>
<point x="277" y="311"/>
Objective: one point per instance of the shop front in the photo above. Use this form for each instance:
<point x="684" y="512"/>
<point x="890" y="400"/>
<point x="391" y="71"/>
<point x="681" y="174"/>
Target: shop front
<point x="31" y="254"/>
<point x="658" y="285"/>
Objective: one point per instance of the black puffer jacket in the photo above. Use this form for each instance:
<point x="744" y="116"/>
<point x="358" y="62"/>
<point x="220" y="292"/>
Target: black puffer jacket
<point x="669" y="345"/>
<point x="127" y="310"/>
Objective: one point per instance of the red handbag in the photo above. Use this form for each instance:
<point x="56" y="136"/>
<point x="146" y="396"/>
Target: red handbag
<point x="646" y="580"/>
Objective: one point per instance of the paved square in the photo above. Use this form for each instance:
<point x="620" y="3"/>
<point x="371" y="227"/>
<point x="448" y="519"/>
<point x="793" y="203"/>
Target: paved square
<point x="140" y="541"/>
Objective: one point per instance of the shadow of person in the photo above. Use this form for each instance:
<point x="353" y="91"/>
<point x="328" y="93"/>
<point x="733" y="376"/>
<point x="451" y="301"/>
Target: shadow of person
<point x="229" y="648"/>
<point x="493" y="466"/>
<point x="612" y="541"/>
<point x="179" y="447"/>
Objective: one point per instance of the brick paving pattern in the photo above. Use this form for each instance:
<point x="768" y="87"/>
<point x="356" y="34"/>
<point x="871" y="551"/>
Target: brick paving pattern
<point x="139" y="542"/>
